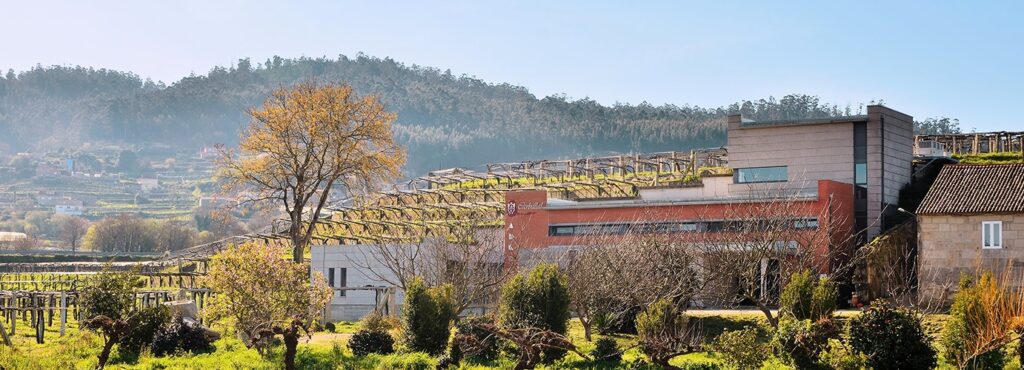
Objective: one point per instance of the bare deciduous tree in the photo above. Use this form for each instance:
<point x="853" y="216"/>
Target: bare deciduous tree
<point x="756" y="245"/>
<point x="72" y="230"/>
<point x="611" y="276"/>
<point x="469" y="258"/>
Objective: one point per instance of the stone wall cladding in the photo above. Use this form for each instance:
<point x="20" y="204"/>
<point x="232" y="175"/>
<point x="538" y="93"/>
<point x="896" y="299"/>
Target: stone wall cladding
<point x="951" y="245"/>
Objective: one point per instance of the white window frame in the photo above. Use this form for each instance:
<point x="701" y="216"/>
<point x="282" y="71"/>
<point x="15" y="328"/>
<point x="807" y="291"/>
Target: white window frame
<point x="997" y="243"/>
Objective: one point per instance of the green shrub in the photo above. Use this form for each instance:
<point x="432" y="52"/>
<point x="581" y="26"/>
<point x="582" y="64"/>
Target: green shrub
<point x="799" y="343"/>
<point x="329" y="326"/>
<point x="840" y="357"/>
<point x="958" y="333"/>
<point x="427" y="317"/>
<point x="377" y="322"/>
<point x="406" y="361"/>
<point x="624" y="322"/>
<point x="181" y="336"/>
<point x="1020" y="350"/>
<point x="741" y="349"/>
<point x="807" y="297"/>
<point x="539" y="300"/>
<point x="109" y="293"/>
<point x="607" y="350"/>
<point x="366" y="342"/>
<point x="891" y="338"/>
<point x="699" y="365"/>
<point x="143" y="325"/>
<point x="472" y="341"/>
<point x="664" y="332"/>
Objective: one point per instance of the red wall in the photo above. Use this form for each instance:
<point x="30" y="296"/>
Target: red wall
<point x="527" y="226"/>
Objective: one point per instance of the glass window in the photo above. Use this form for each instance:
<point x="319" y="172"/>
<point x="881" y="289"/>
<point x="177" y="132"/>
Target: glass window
<point x="992" y="234"/>
<point x="761" y="174"/>
<point x="562" y="230"/>
<point x="811" y="223"/>
<point x="860" y="175"/>
<point x="344" y="280"/>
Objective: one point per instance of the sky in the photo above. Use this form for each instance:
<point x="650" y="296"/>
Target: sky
<point x="928" y="59"/>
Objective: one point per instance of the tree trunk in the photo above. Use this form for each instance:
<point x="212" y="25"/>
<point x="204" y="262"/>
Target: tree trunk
<point x="663" y="362"/>
<point x="105" y="354"/>
<point x="586" y="329"/>
<point x="297" y="253"/>
<point x="291" y="341"/>
<point x="772" y="320"/>
<point x="295" y="232"/>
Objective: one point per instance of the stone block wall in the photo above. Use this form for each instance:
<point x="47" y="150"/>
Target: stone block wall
<point x="951" y="245"/>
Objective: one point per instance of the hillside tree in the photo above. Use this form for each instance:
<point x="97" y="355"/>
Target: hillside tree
<point x="307" y="141"/>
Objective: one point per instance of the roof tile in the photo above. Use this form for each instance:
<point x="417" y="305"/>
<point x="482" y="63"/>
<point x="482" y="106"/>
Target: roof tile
<point x="971" y="189"/>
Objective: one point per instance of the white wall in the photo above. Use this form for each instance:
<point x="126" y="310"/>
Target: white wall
<point x="362" y="269"/>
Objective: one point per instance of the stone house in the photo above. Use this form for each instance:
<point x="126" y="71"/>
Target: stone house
<point x="971" y="220"/>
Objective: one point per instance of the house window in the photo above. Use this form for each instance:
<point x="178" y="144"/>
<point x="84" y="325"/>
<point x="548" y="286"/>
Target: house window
<point x="330" y="277"/>
<point x="992" y="235"/>
<point x="761" y="174"/>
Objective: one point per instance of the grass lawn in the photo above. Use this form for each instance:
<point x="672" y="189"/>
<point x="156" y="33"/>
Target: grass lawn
<point x="78" y="350"/>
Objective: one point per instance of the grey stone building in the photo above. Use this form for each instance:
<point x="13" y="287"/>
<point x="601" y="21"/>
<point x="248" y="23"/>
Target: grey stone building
<point x="971" y="220"/>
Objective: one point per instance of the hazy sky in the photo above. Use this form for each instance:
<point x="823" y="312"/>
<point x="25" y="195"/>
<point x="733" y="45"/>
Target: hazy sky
<point x="959" y="59"/>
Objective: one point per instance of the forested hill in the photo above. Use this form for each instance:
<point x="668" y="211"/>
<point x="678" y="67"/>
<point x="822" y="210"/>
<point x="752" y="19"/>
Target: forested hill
<point x="445" y="120"/>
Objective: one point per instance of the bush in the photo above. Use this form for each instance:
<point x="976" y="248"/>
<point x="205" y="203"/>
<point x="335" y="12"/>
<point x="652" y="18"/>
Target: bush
<point x="366" y="342"/>
<point x="741" y="349"/>
<point x="408" y="361"/>
<point x="378" y="322"/>
<point x="622" y="323"/>
<point x="472" y="341"/>
<point x="891" y="338"/>
<point x="329" y="326"/>
<point x="959" y="335"/>
<point x="664" y="332"/>
<point x="109" y="293"/>
<point x="839" y="357"/>
<point x="143" y="326"/>
<point x="427" y="317"/>
<point x="181" y="336"/>
<point x="806" y="297"/>
<point x="694" y="365"/>
<point x="538" y="300"/>
<point x="799" y="343"/>
<point x="606" y="349"/>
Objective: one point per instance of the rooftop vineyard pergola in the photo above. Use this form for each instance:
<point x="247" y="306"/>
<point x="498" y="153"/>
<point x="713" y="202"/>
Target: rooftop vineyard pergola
<point x="435" y="204"/>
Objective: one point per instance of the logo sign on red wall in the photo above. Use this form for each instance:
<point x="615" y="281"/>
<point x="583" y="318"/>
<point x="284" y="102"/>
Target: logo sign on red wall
<point x="510" y="208"/>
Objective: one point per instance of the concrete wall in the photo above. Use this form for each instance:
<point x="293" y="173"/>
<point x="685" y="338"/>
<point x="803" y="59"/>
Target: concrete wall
<point x="890" y="161"/>
<point x="951" y="244"/>
<point x="824" y="151"/>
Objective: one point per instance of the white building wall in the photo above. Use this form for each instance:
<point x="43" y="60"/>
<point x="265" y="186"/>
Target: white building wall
<point x="362" y="269"/>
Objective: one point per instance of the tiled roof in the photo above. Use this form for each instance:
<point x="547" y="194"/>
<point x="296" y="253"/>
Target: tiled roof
<point x="976" y="189"/>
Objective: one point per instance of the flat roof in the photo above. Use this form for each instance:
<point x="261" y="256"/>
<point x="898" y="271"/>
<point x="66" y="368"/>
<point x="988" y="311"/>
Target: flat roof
<point x="803" y="121"/>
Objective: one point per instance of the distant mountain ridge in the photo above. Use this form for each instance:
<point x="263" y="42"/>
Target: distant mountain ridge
<point x="444" y="120"/>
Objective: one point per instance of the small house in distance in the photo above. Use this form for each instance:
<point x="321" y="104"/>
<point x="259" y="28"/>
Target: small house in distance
<point x="972" y="218"/>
